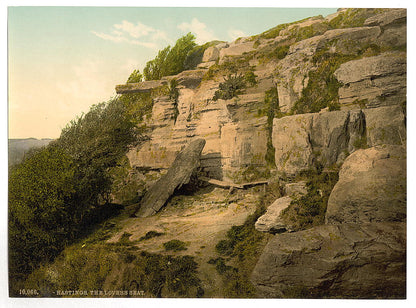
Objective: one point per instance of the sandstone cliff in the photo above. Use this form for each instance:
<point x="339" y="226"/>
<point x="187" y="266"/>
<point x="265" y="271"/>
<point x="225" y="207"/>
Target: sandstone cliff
<point x="321" y="93"/>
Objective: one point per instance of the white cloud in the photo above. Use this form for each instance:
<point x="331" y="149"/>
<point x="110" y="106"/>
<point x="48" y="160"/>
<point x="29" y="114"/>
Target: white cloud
<point x="127" y="32"/>
<point x="235" y="34"/>
<point x="135" y="31"/>
<point x="203" y="34"/>
<point x="108" y="37"/>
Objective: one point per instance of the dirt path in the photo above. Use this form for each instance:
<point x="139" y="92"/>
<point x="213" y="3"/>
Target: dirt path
<point x="200" y="220"/>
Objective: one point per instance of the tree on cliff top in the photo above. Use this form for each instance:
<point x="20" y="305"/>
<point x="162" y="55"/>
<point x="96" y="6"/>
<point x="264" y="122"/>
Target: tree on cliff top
<point x="170" y="61"/>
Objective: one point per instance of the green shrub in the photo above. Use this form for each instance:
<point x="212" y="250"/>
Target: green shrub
<point x="309" y="210"/>
<point x="175" y="245"/>
<point x="232" y="86"/>
<point x="250" y="78"/>
<point x="151" y="234"/>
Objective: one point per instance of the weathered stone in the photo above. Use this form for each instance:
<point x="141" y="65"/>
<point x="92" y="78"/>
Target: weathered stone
<point x="190" y="79"/>
<point x="371" y="187"/>
<point x="294" y="68"/>
<point x="291" y="140"/>
<point x="270" y="221"/>
<point x="205" y="65"/>
<point x="373" y="81"/>
<point x="139" y="87"/>
<point x="296" y="189"/>
<point x="180" y="173"/>
<point x="326" y="137"/>
<point x="235" y="49"/>
<point x="392" y="16"/>
<point x="211" y="54"/>
<point x="385" y="125"/>
<point x="341" y="261"/>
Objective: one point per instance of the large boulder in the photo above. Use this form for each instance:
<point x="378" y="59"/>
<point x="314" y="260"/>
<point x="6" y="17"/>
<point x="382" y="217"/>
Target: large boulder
<point x="341" y="261"/>
<point x="371" y="187"/>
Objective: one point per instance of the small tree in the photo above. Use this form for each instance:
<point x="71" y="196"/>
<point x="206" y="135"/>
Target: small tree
<point x="136" y="76"/>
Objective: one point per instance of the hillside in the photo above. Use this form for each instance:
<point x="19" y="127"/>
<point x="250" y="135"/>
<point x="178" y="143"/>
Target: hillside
<point x="19" y="147"/>
<point x="300" y="188"/>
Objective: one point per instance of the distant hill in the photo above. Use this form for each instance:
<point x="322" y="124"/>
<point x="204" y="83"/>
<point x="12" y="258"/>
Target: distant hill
<point x="19" y="147"/>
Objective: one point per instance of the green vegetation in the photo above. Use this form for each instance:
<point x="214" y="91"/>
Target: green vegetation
<point x="361" y="142"/>
<point x="242" y="247"/>
<point x="136" y="76"/>
<point x="106" y="268"/>
<point x="309" y="210"/>
<point x="59" y="192"/>
<point x="231" y="65"/>
<point x="171" y="61"/>
<point x="151" y="234"/>
<point x="232" y="86"/>
<point x="322" y="88"/>
<point x="175" y="245"/>
<point x="351" y="18"/>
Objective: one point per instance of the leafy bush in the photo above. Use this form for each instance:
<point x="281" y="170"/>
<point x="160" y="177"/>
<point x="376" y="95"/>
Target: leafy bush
<point x="250" y="78"/>
<point x="232" y="86"/>
<point x="175" y="245"/>
<point x="170" y="61"/>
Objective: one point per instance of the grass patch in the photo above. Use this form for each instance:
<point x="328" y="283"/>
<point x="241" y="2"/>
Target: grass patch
<point x="309" y="210"/>
<point x="151" y="234"/>
<point x="175" y="245"/>
<point x="107" y="267"/>
<point x="242" y="247"/>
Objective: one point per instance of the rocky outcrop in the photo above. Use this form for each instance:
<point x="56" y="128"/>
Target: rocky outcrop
<point x="179" y="174"/>
<point x="361" y="250"/>
<point x="270" y="221"/>
<point x="329" y="137"/>
<point x="139" y="87"/>
<point x="294" y="68"/>
<point x="373" y="81"/>
<point x="371" y="187"/>
<point x="342" y="261"/>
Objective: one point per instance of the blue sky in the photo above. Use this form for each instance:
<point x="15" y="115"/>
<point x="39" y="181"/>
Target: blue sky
<point x="64" y="59"/>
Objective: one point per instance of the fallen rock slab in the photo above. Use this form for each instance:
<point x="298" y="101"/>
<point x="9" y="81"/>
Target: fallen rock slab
<point x="271" y="221"/>
<point x="180" y="173"/>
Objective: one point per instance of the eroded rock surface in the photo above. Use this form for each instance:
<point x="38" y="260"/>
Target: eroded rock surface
<point x="343" y="261"/>
<point x="180" y="173"/>
<point x="371" y="187"/>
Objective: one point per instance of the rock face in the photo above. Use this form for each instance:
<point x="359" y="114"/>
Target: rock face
<point x="371" y="187"/>
<point x="270" y="221"/>
<point x="328" y="137"/>
<point x="374" y="81"/>
<point x="180" y="173"/>
<point x="361" y="250"/>
<point x="360" y="56"/>
<point x="343" y="261"/>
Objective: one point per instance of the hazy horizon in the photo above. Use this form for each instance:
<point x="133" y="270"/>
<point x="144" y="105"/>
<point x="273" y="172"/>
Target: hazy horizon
<point x="69" y="58"/>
